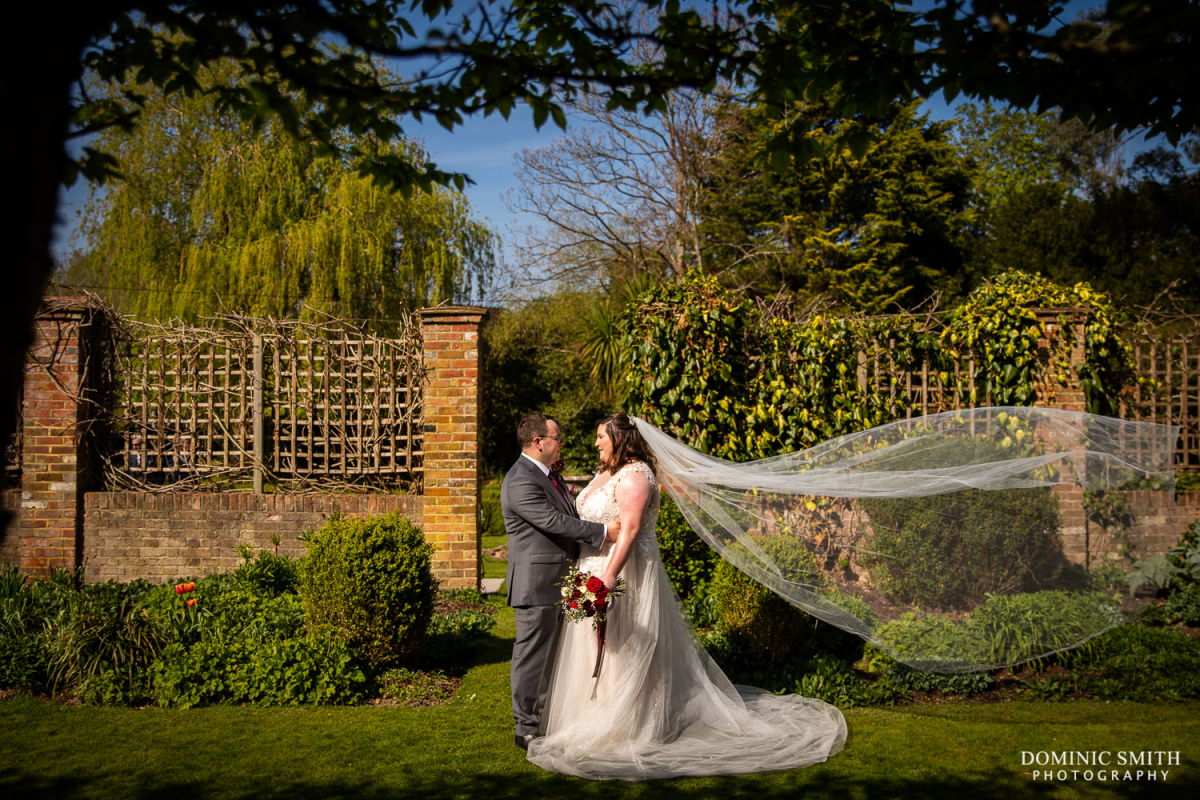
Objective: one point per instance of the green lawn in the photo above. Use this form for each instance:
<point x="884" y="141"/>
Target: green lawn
<point x="465" y="750"/>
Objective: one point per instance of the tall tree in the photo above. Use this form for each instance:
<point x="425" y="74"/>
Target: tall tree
<point x="875" y="230"/>
<point x="215" y="211"/>
<point x="1058" y="200"/>
<point x="619" y="195"/>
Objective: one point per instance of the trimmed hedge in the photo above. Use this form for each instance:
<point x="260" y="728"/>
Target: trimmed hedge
<point x="370" y="582"/>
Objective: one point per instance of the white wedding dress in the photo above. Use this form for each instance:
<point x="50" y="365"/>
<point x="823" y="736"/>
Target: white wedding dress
<point x="661" y="707"/>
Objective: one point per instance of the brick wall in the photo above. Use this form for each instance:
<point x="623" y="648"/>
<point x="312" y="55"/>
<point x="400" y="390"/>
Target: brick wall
<point x="173" y="535"/>
<point x="1152" y="525"/>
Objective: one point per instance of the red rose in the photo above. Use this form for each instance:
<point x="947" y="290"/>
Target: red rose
<point x="600" y="605"/>
<point x="576" y="595"/>
<point x="574" y="605"/>
<point x="594" y="584"/>
<point x="601" y="592"/>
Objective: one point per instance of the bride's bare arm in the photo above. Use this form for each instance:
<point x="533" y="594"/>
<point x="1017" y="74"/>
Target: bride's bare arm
<point x="633" y="495"/>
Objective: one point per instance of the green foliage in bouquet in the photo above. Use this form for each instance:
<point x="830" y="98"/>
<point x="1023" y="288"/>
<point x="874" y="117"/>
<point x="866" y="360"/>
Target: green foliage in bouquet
<point x="370" y="582"/>
<point x="759" y="622"/>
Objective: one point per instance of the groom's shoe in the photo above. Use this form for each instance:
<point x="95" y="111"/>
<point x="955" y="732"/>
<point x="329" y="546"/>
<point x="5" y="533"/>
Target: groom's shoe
<point x="523" y="741"/>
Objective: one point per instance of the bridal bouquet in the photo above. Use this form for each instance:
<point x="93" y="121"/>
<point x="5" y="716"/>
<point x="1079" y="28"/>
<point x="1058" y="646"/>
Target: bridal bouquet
<point x="584" y="596"/>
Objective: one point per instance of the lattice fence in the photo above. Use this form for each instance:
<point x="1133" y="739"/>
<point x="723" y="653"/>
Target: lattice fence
<point x="296" y="405"/>
<point x="1172" y="392"/>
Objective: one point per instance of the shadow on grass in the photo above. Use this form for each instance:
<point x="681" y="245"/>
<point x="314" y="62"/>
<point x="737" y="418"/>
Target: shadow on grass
<point x="994" y="785"/>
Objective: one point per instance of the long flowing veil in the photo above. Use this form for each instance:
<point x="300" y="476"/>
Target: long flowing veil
<point x="938" y="539"/>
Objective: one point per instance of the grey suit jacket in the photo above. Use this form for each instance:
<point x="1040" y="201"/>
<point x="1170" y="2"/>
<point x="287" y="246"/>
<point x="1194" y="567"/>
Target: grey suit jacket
<point x="544" y="532"/>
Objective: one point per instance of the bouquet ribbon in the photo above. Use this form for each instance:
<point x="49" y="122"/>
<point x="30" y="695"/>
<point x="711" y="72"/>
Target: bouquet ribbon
<point x="600" y="626"/>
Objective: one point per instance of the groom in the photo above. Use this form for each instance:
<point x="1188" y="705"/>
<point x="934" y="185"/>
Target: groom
<point x="544" y="532"/>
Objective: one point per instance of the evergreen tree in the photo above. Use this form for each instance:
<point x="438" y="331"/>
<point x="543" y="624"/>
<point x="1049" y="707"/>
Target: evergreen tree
<point x="876" y="225"/>
<point x="213" y="210"/>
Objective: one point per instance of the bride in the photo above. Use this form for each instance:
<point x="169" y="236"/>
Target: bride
<point x="661" y="707"/>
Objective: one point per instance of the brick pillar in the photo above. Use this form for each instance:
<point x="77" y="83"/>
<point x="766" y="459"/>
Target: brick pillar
<point x="1059" y="387"/>
<point x="451" y="462"/>
<point x="48" y="518"/>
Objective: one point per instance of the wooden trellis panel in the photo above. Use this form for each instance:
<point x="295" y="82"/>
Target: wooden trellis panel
<point x="1171" y="391"/>
<point x="187" y="407"/>
<point x="310" y="411"/>
<point x="913" y="389"/>
<point x="345" y="407"/>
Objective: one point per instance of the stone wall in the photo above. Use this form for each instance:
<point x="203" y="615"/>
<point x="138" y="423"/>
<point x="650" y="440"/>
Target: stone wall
<point x="167" y="535"/>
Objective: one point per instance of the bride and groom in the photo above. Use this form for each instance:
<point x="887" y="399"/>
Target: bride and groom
<point x="660" y="706"/>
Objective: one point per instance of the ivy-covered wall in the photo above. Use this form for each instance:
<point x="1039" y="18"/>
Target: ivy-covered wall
<point x="706" y="365"/>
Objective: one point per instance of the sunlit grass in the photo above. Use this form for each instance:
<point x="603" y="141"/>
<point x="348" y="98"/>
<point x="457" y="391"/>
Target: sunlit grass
<point x="465" y="750"/>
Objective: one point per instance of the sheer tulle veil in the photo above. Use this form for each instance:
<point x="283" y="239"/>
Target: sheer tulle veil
<point x="938" y="539"/>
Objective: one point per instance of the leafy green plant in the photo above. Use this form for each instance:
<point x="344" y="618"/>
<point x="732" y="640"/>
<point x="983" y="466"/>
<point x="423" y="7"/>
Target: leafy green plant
<point x="902" y="676"/>
<point x="1024" y="626"/>
<point x="761" y="622"/>
<point x="1107" y="576"/>
<point x="688" y="560"/>
<point x="1183" y="605"/>
<point x="267" y="573"/>
<point x="1148" y="663"/>
<point x="824" y="677"/>
<point x="123" y="640"/>
<point x="453" y="637"/>
<point x="24" y="658"/>
<point x="312" y="670"/>
<point x="1156" y="571"/>
<point x="203" y="673"/>
<point x="1005" y="629"/>
<point x="370" y="582"/>
<point x="997" y="325"/>
<point x="952" y="550"/>
<point x="702" y="363"/>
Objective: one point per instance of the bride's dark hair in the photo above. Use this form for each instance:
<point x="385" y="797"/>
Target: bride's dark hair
<point x="628" y="444"/>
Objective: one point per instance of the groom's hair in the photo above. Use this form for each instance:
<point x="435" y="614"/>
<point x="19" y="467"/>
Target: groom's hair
<point x="532" y="426"/>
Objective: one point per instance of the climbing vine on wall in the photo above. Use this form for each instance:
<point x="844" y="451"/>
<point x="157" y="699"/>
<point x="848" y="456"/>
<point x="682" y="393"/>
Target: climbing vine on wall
<point x="702" y="363"/>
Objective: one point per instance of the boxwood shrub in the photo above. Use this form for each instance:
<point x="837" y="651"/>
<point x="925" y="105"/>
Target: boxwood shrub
<point x="370" y="582"/>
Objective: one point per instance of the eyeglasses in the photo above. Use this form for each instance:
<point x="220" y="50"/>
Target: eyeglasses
<point x="558" y="439"/>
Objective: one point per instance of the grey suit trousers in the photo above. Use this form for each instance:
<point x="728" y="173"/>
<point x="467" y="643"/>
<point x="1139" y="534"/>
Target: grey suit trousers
<point x="537" y="634"/>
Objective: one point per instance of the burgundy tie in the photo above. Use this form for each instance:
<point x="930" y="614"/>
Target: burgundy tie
<point x="557" y="485"/>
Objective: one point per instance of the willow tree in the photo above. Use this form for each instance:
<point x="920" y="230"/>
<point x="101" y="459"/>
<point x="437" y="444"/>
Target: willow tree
<point x="216" y="211"/>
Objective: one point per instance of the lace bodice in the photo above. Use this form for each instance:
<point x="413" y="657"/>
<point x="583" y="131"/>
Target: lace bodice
<point x="600" y="505"/>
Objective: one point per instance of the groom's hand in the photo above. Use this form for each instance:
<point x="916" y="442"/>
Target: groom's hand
<point x="614" y="530"/>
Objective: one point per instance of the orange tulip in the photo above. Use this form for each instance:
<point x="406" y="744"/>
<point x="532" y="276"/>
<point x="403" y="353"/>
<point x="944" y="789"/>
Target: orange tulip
<point x="179" y="588"/>
<point x="191" y="602"/>
<point x="189" y="587"/>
